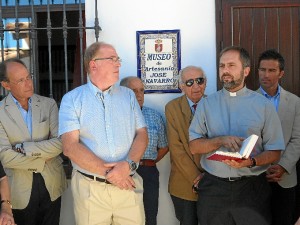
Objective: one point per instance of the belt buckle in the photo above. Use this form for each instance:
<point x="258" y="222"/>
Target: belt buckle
<point x="231" y="179"/>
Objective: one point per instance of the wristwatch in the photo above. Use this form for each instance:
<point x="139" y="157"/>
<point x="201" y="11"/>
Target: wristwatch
<point x="253" y="162"/>
<point x="6" y="201"/>
<point x="132" y="165"/>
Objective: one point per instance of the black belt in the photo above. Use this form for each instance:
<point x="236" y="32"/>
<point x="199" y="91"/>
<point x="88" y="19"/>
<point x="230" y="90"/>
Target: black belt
<point x="230" y="179"/>
<point x="94" y="178"/>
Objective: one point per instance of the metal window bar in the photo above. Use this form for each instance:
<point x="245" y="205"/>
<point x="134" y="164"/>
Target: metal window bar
<point x="17" y="9"/>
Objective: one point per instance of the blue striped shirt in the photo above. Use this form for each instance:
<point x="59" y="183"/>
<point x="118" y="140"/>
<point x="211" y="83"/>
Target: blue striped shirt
<point x="107" y="120"/>
<point x="156" y="132"/>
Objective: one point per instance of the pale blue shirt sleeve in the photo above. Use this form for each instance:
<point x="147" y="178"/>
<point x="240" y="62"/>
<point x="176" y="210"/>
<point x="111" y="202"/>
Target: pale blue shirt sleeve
<point x="68" y="119"/>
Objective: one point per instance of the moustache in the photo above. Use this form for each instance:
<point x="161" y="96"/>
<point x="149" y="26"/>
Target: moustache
<point x="226" y="74"/>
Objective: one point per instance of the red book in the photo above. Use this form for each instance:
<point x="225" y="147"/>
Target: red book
<point x="246" y="148"/>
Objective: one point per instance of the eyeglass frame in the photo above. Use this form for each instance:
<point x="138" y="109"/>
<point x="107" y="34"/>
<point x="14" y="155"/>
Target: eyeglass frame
<point x="113" y="59"/>
<point x="21" y="81"/>
<point x="198" y="80"/>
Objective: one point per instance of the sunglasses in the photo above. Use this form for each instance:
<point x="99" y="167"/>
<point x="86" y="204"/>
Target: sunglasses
<point x="199" y="80"/>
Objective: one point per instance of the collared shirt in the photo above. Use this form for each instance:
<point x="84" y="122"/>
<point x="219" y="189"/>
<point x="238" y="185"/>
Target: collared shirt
<point x="27" y="115"/>
<point x="156" y="132"/>
<point x="107" y="120"/>
<point x="274" y="99"/>
<point x="191" y="105"/>
<point x="237" y="114"/>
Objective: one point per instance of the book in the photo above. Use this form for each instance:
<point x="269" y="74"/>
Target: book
<point x="245" y="151"/>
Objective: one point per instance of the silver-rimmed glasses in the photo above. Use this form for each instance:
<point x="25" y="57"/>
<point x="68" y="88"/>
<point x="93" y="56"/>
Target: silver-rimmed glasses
<point x="113" y="59"/>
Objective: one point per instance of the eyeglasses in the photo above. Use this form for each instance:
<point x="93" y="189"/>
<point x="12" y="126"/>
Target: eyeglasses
<point x="198" y="80"/>
<point x="113" y="59"/>
<point x="22" y="81"/>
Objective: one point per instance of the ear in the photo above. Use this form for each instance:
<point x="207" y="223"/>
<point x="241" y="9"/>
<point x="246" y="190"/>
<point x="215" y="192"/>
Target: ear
<point x="181" y="88"/>
<point x="281" y="74"/>
<point x="5" y="85"/>
<point x="92" y="65"/>
<point x="246" y="71"/>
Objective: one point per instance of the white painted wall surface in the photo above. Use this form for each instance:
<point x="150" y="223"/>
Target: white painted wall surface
<point x="119" y="21"/>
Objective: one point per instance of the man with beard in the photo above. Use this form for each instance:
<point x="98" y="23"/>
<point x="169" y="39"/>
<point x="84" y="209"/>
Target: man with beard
<point x="235" y="192"/>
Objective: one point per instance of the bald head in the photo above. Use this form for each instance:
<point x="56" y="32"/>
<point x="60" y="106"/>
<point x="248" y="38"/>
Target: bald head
<point x="135" y="84"/>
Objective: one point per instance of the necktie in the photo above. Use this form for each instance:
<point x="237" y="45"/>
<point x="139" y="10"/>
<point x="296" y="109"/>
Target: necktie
<point x="195" y="107"/>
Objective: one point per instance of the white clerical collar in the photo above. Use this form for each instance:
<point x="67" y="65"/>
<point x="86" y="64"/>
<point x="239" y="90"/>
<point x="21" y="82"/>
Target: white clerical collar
<point x="232" y="94"/>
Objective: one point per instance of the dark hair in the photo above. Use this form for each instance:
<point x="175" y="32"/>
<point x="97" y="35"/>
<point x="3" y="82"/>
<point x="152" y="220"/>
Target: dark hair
<point x="244" y="55"/>
<point x="272" y="54"/>
<point x="3" y="67"/>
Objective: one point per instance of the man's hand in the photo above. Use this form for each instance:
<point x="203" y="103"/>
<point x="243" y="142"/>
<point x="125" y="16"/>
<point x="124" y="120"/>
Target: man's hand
<point x="19" y="148"/>
<point x="196" y="181"/>
<point x="6" y="217"/>
<point x="275" y="172"/>
<point x="238" y="164"/>
<point x="119" y="175"/>
<point x="232" y="143"/>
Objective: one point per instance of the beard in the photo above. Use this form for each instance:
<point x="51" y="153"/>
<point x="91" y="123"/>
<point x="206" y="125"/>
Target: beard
<point x="230" y="85"/>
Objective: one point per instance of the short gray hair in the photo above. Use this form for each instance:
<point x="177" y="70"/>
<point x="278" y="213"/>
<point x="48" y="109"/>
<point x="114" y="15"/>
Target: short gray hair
<point x="3" y="67"/>
<point x="185" y="69"/>
<point x="91" y="51"/>
<point x="125" y="81"/>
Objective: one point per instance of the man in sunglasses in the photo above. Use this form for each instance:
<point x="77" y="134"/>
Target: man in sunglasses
<point x="235" y="192"/>
<point x="185" y="167"/>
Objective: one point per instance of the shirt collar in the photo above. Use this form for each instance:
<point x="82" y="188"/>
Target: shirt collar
<point x="242" y="91"/>
<point x="17" y="102"/>
<point x="191" y="103"/>
<point x="269" y="96"/>
<point x="95" y="90"/>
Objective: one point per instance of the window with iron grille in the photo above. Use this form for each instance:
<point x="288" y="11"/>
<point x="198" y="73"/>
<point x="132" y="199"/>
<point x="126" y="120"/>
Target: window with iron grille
<point x="49" y="36"/>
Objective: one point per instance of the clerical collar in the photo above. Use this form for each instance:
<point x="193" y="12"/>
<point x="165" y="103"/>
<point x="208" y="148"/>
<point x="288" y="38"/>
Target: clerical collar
<point x="234" y="94"/>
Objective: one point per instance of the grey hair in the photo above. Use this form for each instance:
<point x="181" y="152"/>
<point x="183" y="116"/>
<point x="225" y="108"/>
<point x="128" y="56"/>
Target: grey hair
<point x="185" y="69"/>
<point x="125" y="81"/>
<point x="3" y="67"/>
<point x="91" y="51"/>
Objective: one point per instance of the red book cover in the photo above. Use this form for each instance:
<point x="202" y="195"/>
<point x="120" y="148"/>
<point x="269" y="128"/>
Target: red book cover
<point x="246" y="148"/>
<point x="218" y="157"/>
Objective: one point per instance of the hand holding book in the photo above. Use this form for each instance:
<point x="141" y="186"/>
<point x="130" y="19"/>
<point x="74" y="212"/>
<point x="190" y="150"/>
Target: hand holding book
<point x="245" y="151"/>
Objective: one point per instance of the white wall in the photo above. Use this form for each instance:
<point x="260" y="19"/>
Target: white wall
<point x="120" y="20"/>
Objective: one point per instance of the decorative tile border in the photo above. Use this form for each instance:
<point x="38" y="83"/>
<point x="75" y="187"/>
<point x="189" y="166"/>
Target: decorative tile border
<point x="158" y="59"/>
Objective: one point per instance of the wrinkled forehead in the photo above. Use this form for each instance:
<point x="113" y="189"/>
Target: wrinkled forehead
<point x="192" y="74"/>
<point x="107" y="51"/>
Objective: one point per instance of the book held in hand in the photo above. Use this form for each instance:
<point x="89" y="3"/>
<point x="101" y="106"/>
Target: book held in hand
<point x="246" y="148"/>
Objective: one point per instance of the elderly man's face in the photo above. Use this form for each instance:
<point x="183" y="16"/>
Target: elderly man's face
<point x="196" y="91"/>
<point x="19" y="82"/>
<point x="104" y="68"/>
<point x="138" y="88"/>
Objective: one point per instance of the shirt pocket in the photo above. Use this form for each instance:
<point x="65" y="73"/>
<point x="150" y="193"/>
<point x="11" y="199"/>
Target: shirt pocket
<point x="250" y="126"/>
